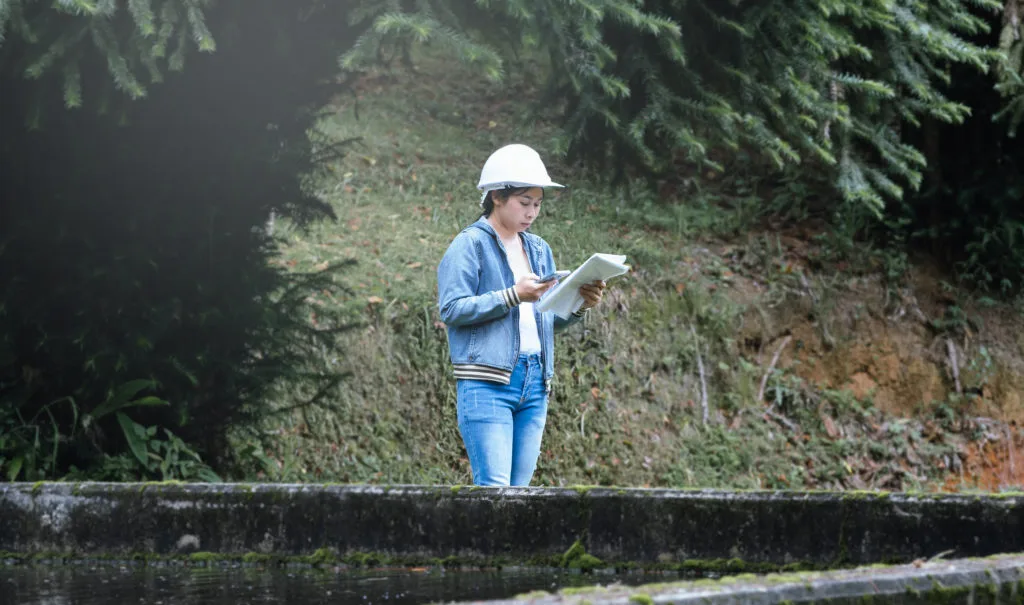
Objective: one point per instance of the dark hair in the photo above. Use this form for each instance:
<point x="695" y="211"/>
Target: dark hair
<point x="504" y="193"/>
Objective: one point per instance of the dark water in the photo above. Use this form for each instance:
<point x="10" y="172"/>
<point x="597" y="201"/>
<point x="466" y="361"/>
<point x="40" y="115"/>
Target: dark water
<point x="95" y="584"/>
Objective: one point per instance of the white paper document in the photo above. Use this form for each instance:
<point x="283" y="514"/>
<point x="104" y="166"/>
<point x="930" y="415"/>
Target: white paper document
<point x="564" y="299"/>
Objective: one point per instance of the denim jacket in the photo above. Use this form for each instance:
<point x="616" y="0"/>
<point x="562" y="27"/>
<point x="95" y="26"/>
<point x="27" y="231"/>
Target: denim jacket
<point x="479" y="305"/>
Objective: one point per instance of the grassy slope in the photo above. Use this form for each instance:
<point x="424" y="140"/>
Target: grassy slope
<point x="626" y="405"/>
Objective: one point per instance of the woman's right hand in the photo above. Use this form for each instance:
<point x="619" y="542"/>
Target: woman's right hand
<point x="530" y="290"/>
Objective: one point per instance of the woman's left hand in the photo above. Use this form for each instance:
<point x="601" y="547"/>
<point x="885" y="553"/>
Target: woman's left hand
<point x="592" y="293"/>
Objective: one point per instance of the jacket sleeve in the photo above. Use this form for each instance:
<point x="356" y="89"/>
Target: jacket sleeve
<point x="458" y="276"/>
<point x="561" y="324"/>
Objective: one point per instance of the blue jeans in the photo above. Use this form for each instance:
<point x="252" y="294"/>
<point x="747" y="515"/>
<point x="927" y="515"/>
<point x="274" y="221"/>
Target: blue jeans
<point x="502" y="425"/>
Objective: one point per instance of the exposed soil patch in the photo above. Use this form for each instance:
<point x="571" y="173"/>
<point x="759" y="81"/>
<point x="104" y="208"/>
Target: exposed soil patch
<point x="990" y="466"/>
<point x="906" y="348"/>
<point x="890" y="344"/>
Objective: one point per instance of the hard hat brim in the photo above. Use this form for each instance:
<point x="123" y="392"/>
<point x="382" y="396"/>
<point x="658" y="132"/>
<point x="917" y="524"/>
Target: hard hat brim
<point x="500" y="184"/>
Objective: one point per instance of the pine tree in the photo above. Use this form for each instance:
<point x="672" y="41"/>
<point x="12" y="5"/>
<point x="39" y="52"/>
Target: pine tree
<point x="799" y="82"/>
<point x="643" y="86"/>
<point x="138" y="40"/>
<point x="133" y="250"/>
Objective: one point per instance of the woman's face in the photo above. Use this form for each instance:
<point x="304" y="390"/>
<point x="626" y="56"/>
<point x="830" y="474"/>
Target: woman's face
<point x="519" y="211"/>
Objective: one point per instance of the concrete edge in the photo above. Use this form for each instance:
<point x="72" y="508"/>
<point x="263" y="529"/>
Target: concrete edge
<point x="700" y="530"/>
<point x="995" y="579"/>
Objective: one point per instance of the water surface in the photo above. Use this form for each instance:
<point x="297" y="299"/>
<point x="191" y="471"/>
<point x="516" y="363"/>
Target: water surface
<point x="94" y="584"/>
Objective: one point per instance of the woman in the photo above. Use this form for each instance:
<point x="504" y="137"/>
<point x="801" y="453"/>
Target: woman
<point x="501" y="347"/>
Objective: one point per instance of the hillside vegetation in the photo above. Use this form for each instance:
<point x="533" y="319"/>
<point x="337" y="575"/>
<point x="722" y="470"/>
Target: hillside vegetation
<point x="226" y="215"/>
<point x="745" y="349"/>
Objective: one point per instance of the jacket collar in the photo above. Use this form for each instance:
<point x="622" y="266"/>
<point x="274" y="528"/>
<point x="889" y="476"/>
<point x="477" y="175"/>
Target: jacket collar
<point x="484" y="225"/>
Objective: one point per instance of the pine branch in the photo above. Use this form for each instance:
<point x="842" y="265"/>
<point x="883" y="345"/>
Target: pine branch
<point x="196" y="20"/>
<point x="142" y="12"/>
<point x="6" y="7"/>
<point x="105" y="39"/>
<point x="72" y="85"/>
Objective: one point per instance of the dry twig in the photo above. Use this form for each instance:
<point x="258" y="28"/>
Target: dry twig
<point x="786" y="421"/>
<point x="1009" y="452"/>
<point x="703" y="380"/>
<point x="771" y="366"/>
<point x="954" y="365"/>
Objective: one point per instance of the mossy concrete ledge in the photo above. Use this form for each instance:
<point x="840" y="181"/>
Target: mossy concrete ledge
<point x="683" y="529"/>
<point x="968" y="581"/>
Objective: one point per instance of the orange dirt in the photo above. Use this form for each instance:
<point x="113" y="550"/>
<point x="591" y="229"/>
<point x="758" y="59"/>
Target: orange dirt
<point x="991" y="466"/>
<point x="851" y="334"/>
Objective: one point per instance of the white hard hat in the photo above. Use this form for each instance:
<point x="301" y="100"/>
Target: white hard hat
<point x="513" y="165"/>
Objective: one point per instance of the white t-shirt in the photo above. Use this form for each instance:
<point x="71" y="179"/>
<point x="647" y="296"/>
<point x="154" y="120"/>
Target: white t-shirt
<point x="529" y="341"/>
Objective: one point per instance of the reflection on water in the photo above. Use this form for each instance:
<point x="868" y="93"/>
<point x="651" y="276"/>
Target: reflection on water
<point x="95" y="584"/>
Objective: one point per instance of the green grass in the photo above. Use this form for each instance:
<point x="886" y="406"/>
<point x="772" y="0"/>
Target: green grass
<point x="625" y="407"/>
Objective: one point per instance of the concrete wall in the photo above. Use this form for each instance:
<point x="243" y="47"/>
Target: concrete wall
<point x="650" y="527"/>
